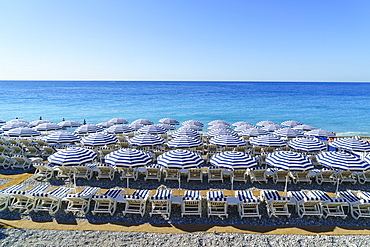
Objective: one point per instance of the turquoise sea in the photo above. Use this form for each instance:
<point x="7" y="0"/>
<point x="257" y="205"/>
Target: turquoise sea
<point x="340" y="107"/>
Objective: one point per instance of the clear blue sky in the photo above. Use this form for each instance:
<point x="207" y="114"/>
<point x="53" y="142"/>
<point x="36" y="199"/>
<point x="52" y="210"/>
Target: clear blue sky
<point x="185" y="40"/>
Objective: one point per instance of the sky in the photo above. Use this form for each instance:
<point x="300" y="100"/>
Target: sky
<point x="286" y="40"/>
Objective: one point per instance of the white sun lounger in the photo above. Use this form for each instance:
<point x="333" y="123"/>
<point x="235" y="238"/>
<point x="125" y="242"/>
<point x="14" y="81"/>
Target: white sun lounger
<point x="105" y="171"/>
<point x="153" y="172"/>
<point x="65" y="172"/>
<point x="215" y="174"/>
<point x="306" y="204"/>
<point x="5" y="195"/>
<point x="280" y="176"/>
<point x="257" y="175"/>
<point x="136" y="203"/>
<point x="331" y="206"/>
<point x="23" y="162"/>
<point x="25" y="200"/>
<point x="360" y="207"/>
<point x="216" y="204"/>
<point x="326" y="176"/>
<point x="44" y="170"/>
<point x="248" y="204"/>
<point x="107" y="202"/>
<point x="5" y="161"/>
<point x="363" y="177"/>
<point x="161" y="202"/>
<point x="51" y="201"/>
<point x="84" y="171"/>
<point x="191" y="203"/>
<point x="128" y="172"/>
<point x="276" y="204"/>
<point x="80" y="202"/>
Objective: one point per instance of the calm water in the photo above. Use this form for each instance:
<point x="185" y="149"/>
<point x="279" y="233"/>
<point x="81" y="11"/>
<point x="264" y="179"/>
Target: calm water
<point x="340" y="107"/>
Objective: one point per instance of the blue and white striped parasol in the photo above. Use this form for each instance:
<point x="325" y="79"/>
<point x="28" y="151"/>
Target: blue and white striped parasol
<point x="265" y="123"/>
<point x="219" y="126"/>
<point x="216" y="122"/>
<point x="195" y="122"/>
<point x="118" y="121"/>
<point x="241" y="123"/>
<point x="167" y="126"/>
<point x="69" y="124"/>
<point x="218" y="132"/>
<point x="15" y="124"/>
<point x="243" y="127"/>
<point x="88" y="128"/>
<point x="351" y="144"/>
<point x="185" y="132"/>
<point x="304" y="127"/>
<point x="99" y="139"/>
<point x="291" y="123"/>
<point x="307" y="145"/>
<point x="62" y="137"/>
<point x="37" y="122"/>
<point x="233" y="160"/>
<point x="287" y="160"/>
<point x="227" y="140"/>
<point x="288" y="133"/>
<point x="184" y="142"/>
<point x="136" y="126"/>
<point x="128" y="158"/>
<point x="267" y="141"/>
<point x="143" y="121"/>
<point x="105" y="124"/>
<point x="191" y="126"/>
<point x="22" y="132"/>
<point x="180" y="159"/>
<point x="146" y="140"/>
<point x="169" y="121"/>
<point x="72" y="157"/>
<point x="152" y="129"/>
<point x="119" y="129"/>
<point x="47" y="127"/>
<point x="253" y="132"/>
<point x="342" y="161"/>
<point x="272" y="127"/>
<point x="319" y="132"/>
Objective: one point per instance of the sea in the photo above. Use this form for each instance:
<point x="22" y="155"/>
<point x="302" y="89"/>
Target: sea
<point x="343" y="108"/>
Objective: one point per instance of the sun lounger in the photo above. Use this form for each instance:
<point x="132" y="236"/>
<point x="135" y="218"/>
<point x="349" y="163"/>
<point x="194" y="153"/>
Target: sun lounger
<point x="44" y="170"/>
<point x="107" y="202"/>
<point x="64" y="172"/>
<point x="191" y="203"/>
<point x="248" y="204"/>
<point x="5" y="195"/>
<point x="161" y="202"/>
<point x="326" y="176"/>
<point x="136" y="203"/>
<point x="153" y="172"/>
<point x="105" y="171"/>
<point x="257" y="175"/>
<point x="360" y="207"/>
<point x="25" y="200"/>
<point x="215" y="174"/>
<point x="239" y="175"/>
<point x="23" y="162"/>
<point x="280" y="176"/>
<point x="5" y="150"/>
<point x="171" y="174"/>
<point x="84" y="171"/>
<point x="306" y="204"/>
<point x="128" y="172"/>
<point x="51" y="201"/>
<point x="363" y="177"/>
<point x="300" y="177"/>
<point x="80" y="202"/>
<point x="216" y="204"/>
<point x="32" y="151"/>
<point x="345" y="176"/>
<point x="195" y="174"/>
<point x="276" y="204"/>
<point x="5" y="161"/>
<point x="331" y="206"/>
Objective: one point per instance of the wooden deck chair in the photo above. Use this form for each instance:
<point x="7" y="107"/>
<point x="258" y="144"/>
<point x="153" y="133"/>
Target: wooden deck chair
<point x="276" y="205"/>
<point x="300" y="177"/>
<point x="191" y="203"/>
<point x="153" y="172"/>
<point x="363" y="177"/>
<point x="280" y="176"/>
<point x="171" y="174"/>
<point x="257" y="175"/>
<point x="83" y="171"/>
<point x="23" y="162"/>
<point x="215" y="174"/>
<point x="5" y="161"/>
<point x="128" y="172"/>
<point x="195" y="174"/>
<point x="44" y="171"/>
<point x="216" y="204"/>
<point x="345" y="176"/>
<point x="25" y="200"/>
<point x="248" y="204"/>
<point x="326" y="176"/>
<point x="106" y="203"/>
<point x="80" y="202"/>
<point x="359" y="207"/>
<point x="64" y="172"/>
<point x="306" y="204"/>
<point x="5" y="195"/>
<point x="51" y="201"/>
<point x="105" y="171"/>
<point x="239" y="175"/>
<point x="161" y="203"/>
<point x="136" y="203"/>
<point x="331" y="206"/>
